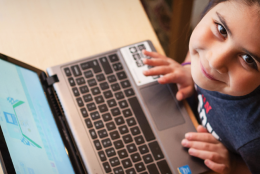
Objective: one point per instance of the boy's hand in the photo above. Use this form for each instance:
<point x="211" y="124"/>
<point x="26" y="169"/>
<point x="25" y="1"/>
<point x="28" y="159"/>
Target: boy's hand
<point x="203" y="145"/>
<point x="173" y="73"/>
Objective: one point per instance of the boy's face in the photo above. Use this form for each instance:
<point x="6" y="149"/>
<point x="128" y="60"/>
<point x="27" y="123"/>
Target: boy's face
<point x="225" y="49"/>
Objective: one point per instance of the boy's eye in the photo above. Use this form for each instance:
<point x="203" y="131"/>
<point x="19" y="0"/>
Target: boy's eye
<point x="249" y="60"/>
<point x="222" y="30"/>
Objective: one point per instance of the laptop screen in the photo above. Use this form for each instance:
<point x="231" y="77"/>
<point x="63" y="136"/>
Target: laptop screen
<point x="28" y="126"/>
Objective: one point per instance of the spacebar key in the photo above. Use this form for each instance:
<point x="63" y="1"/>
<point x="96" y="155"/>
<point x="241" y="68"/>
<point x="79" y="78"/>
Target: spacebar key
<point x="141" y="118"/>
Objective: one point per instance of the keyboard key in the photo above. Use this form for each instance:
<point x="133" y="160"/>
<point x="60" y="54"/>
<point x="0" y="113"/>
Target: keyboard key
<point x="133" y="49"/>
<point x="107" y="167"/>
<point x="106" y="117"/>
<point x="127" y="139"/>
<point x="99" y="99"/>
<point x="140" y="167"/>
<point x="108" y="94"/>
<point x="104" y="85"/>
<point x="163" y="167"/>
<point x="127" y="113"/>
<point x="102" y="155"/>
<point x="152" y="169"/>
<point x="156" y="150"/>
<point x="115" y="87"/>
<point x="126" y="163"/>
<point x="91" y="106"/>
<point x="141" y="47"/>
<point x="141" y="118"/>
<point x="87" y="98"/>
<point x="118" y="144"/>
<point x="135" y="130"/>
<point x="95" y="66"/>
<point x="111" y="78"/>
<point x="139" y="140"/>
<point x="148" y="158"/>
<point x="71" y="81"/>
<point x="99" y="124"/>
<point x="85" y="65"/>
<point x="93" y="133"/>
<point x="111" y="103"/>
<point x="114" y="135"/>
<point x="114" y="161"/>
<point x="80" y="81"/>
<point x="103" y="108"/>
<point x="75" y="91"/>
<point x="136" y="56"/>
<point x="129" y="92"/>
<point x="136" y="157"/>
<point x="130" y="171"/>
<point x="119" y="120"/>
<point x="83" y="89"/>
<point x="119" y="95"/>
<point x="118" y="170"/>
<point x="117" y="66"/>
<point x="95" y="91"/>
<point x="84" y="112"/>
<point x="105" y="65"/>
<point x="92" y="82"/>
<point x="100" y="77"/>
<point x="94" y="115"/>
<point x="115" y="111"/>
<point x="131" y="148"/>
<point x="102" y="133"/>
<point x="123" y="129"/>
<point x="88" y="123"/>
<point x="131" y="121"/>
<point x="80" y="102"/>
<point x="75" y="70"/>
<point x="106" y="143"/>
<point x="67" y="71"/>
<point x="110" y="152"/>
<point x="121" y="75"/>
<point x="122" y="154"/>
<point x="110" y="126"/>
<point x="143" y="149"/>
<point x="113" y="58"/>
<point x="88" y="74"/>
<point x="123" y="104"/>
<point x="125" y="84"/>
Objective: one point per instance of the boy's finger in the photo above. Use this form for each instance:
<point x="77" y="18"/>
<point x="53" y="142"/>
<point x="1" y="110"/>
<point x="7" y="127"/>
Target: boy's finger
<point x="201" y="129"/>
<point x="155" y="62"/>
<point x="205" y="137"/>
<point x="199" y="145"/>
<point x="158" y="70"/>
<point x="153" y="54"/>
<point x="219" y="168"/>
<point x="184" y="93"/>
<point x="213" y="156"/>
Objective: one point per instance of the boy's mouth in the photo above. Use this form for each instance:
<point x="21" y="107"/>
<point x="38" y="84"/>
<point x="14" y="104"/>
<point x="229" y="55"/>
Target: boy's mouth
<point x="206" y="73"/>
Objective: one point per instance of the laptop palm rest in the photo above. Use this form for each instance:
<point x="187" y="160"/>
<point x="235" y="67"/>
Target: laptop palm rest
<point x="162" y="106"/>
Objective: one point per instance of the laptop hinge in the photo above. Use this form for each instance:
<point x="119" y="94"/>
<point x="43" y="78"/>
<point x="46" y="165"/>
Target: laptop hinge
<point x="48" y="81"/>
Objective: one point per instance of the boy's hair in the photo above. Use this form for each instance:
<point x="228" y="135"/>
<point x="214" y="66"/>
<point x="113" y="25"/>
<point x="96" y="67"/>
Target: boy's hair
<point x="213" y="3"/>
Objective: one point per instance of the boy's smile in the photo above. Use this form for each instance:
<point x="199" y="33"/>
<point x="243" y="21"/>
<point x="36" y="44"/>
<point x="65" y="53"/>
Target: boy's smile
<point x="224" y="49"/>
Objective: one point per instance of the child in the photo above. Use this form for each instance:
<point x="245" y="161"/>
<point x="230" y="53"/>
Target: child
<point x="224" y="51"/>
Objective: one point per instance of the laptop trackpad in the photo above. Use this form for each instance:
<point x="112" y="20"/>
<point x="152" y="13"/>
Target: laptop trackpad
<point x="162" y="106"/>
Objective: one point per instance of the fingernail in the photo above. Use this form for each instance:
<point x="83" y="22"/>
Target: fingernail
<point x="144" y="60"/>
<point x="187" y="135"/>
<point x="145" y="72"/>
<point x="184" y="143"/>
<point x="191" y="151"/>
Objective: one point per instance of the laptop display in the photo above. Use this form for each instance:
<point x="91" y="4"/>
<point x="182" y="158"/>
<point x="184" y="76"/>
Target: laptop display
<point x="28" y="126"/>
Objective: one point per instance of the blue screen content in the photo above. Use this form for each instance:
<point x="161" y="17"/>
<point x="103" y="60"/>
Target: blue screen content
<point x="30" y="131"/>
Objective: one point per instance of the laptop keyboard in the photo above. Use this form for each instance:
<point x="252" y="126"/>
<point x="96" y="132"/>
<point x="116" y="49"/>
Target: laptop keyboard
<point x="121" y="134"/>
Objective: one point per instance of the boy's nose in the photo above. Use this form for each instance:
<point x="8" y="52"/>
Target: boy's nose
<point x="219" y="59"/>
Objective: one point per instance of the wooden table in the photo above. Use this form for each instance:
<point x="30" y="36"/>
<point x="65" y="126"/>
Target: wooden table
<point x="44" y="33"/>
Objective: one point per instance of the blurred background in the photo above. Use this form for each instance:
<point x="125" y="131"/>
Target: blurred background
<point x="165" y="15"/>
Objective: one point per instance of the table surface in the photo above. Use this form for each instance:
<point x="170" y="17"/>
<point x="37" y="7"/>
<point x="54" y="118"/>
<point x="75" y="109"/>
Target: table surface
<point x="45" y="33"/>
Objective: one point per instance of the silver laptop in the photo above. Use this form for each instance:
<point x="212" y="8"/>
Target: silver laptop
<point x="96" y="115"/>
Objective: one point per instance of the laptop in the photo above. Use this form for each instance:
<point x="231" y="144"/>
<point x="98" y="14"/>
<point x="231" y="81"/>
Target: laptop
<point x="95" y="115"/>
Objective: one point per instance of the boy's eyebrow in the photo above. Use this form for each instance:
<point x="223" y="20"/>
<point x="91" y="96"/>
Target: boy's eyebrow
<point x="223" y="21"/>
